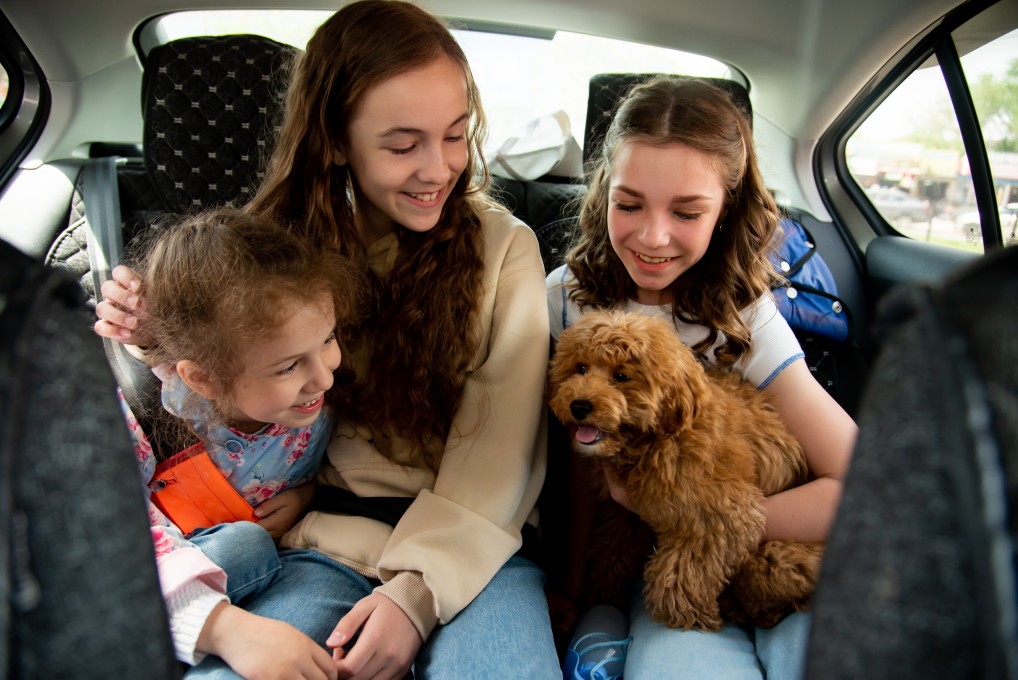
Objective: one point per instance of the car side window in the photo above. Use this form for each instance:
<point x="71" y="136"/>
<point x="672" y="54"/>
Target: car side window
<point x="910" y="159"/>
<point x="5" y="83"/>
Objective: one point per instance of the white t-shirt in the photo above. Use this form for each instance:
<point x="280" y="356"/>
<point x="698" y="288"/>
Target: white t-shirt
<point x="774" y="345"/>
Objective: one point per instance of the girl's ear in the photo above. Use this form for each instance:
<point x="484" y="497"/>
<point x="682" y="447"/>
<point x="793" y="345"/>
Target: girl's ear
<point x="195" y="377"/>
<point x="338" y="157"/>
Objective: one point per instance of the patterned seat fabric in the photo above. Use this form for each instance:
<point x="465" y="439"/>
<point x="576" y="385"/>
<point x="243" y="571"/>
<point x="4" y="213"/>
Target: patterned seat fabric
<point x="211" y="108"/>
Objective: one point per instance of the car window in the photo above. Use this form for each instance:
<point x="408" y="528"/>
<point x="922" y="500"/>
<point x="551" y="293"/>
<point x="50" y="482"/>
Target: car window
<point x="909" y="157"/>
<point x="5" y="83"/>
<point x="992" y="72"/>
<point x="511" y="68"/>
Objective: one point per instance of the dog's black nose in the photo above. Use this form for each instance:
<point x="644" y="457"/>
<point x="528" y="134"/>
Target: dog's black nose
<point x="581" y="408"/>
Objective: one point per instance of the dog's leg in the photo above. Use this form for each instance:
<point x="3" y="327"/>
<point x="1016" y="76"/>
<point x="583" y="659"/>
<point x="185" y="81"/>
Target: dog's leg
<point x="695" y="560"/>
<point x="774" y="582"/>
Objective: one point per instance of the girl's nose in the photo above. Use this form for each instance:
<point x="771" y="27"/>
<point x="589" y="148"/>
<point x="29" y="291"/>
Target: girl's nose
<point x="321" y="376"/>
<point x="435" y="166"/>
<point x="656" y="232"/>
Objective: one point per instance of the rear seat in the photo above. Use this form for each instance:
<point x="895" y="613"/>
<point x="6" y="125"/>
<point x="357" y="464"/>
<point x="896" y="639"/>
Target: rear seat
<point x="209" y="105"/>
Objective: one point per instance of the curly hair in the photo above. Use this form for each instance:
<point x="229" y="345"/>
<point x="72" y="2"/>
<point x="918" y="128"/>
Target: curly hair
<point x="223" y="279"/>
<point x="735" y="270"/>
<point x="421" y="327"/>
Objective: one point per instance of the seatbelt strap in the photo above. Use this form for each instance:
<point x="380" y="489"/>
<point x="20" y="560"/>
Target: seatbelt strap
<point x="105" y="238"/>
<point x="102" y="218"/>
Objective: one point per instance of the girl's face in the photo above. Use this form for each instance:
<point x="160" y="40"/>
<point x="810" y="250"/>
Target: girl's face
<point x="663" y="204"/>
<point x="408" y="148"/>
<point x="286" y="376"/>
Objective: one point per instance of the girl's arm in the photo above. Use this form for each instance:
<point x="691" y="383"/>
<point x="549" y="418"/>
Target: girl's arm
<point x="827" y="434"/>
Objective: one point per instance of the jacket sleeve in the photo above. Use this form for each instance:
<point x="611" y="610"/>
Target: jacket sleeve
<point x="452" y="540"/>
<point x="191" y="583"/>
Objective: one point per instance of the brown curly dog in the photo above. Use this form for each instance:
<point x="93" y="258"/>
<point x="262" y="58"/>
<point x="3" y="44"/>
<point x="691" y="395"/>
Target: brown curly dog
<point x="696" y="453"/>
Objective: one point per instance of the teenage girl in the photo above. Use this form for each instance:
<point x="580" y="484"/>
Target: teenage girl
<point x="678" y="223"/>
<point x="242" y="318"/>
<point x="419" y="550"/>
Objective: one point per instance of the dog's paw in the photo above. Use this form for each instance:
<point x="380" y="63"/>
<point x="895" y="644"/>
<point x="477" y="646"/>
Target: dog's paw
<point x="671" y="606"/>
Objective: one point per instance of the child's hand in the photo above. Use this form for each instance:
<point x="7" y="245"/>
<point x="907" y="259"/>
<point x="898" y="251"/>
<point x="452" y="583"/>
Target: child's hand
<point x="387" y="644"/>
<point x="617" y="490"/>
<point x="258" y="648"/>
<point x="121" y="311"/>
<point x="278" y="514"/>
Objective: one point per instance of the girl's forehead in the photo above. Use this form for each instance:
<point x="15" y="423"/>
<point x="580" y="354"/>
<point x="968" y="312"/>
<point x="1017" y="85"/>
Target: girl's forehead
<point x="435" y="90"/>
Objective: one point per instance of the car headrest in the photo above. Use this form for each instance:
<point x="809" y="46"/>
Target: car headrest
<point x="608" y="89"/>
<point x="210" y="108"/>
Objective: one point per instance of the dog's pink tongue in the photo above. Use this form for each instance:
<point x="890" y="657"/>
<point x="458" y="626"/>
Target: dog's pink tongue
<point x="587" y="434"/>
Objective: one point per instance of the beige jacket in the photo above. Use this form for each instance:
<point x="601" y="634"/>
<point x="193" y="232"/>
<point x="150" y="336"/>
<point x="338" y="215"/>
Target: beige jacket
<point x="465" y="522"/>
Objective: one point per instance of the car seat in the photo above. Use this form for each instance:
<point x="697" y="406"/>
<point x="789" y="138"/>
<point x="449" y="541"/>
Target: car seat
<point x="81" y="595"/>
<point x="211" y="107"/>
<point x="918" y="580"/>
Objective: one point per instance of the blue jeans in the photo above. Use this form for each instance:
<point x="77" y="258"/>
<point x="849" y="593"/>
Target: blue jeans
<point x="732" y="653"/>
<point x="247" y="554"/>
<point x="504" y="632"/>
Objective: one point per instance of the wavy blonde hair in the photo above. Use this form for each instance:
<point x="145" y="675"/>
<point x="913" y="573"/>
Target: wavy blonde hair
<point x="735" y="270"/>
<point x="422" y="314"/>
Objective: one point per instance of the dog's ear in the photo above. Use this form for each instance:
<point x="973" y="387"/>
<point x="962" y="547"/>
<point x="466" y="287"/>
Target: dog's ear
<point x="683" y="383"/>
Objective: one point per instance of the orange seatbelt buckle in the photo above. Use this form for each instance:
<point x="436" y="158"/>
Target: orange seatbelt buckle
<point x="193" y="493"/>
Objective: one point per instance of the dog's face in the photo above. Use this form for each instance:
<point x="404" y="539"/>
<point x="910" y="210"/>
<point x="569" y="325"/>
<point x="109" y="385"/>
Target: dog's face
<point x="617" y="375"/>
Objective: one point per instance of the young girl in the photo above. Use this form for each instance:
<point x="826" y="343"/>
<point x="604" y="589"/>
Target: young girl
<point x="678" y="223"/>
<point x="242" y="317"/>
<point x="417" y="543"/>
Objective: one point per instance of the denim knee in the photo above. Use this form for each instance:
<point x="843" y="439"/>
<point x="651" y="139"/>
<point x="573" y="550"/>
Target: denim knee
<point x="245" y="551"/>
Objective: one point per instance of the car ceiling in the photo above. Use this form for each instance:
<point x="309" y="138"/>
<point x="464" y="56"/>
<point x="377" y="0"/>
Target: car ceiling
<point x="831" y="47"/>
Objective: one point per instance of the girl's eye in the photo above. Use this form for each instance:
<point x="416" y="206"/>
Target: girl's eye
<point x="626" y="207"/>
<point x="331" y="339"/>
<point x="689" y="217"/>
<point x="455" y="138"/>
<point x="289" y="369"/>
<point x="619" y="376"/>
<point x="403" y="152"/>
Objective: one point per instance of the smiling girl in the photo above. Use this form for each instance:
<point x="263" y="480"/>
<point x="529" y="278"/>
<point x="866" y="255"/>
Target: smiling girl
<point x="417" y="543"/>
<point x="678" y="223"/>
<point x="243" y="320"/>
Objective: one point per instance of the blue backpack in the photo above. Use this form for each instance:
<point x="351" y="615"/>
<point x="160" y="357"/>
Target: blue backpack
<point x="809" y="301"/>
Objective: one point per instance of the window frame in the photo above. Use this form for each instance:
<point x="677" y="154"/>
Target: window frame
<point x="26" y="109"/>
<point x="845" y="198"/>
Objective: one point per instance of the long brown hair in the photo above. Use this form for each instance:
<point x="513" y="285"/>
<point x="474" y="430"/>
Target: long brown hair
<point x="421" y="323"/>
<point x="735" y="270"/>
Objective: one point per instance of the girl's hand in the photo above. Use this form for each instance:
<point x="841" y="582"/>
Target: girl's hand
<point x="617" y="490"/>
<point x="386" y="647"/>
<point x="121" y="311"/>
<point x="278" y="514"/>
<point x="258" y="648"/>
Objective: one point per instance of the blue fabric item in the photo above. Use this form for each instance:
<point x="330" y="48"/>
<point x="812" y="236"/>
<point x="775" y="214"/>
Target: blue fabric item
<point x="595" y="656"/>
<point x="810" y="300"/>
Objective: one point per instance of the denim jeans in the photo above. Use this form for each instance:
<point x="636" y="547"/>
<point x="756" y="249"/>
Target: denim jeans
<point x="733" y="653"/>
<point x="504" y="632"/>
<point x="247" y="554"/>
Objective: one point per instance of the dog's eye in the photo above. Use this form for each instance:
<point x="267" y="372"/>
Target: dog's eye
<point x="581" y="369"/>
<point x="619" y="376"/>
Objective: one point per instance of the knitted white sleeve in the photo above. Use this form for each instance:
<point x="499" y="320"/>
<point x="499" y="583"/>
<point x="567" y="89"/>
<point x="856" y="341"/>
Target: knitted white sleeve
<point x="189" y="607"/>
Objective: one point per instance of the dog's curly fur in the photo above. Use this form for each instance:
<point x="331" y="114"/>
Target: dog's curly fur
<point x="697" y="452"/>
